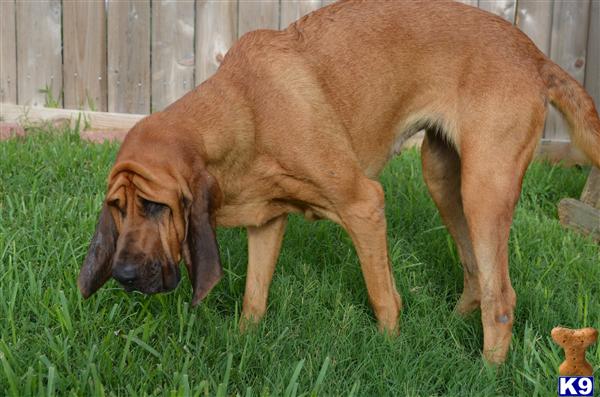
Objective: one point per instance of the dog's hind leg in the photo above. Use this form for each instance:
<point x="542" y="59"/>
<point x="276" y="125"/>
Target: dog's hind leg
<point x="441" y="171"/>
<point x="489" y="198"/>
<point x="494" y="159"/>
<point x="264" y="244"/>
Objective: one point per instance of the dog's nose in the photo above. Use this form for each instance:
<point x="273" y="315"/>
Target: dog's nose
<point x="125" y="274"/>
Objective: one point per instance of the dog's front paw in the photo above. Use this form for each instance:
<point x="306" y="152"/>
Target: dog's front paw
<point x="249" y="322"/>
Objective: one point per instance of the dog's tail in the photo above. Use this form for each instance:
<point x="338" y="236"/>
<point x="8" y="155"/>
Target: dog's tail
<point x="571" y="99"/>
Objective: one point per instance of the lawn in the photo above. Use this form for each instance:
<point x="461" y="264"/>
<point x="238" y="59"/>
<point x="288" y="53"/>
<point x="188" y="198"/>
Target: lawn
<point x="319" y="336"/>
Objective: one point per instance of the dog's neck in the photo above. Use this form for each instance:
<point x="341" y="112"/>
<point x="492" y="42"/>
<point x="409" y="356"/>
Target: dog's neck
<point x="209" y="128"/>
<point x="216" y="113"/>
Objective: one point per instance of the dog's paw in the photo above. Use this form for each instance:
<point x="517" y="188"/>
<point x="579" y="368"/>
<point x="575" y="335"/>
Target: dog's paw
<point x="248" y="323"/>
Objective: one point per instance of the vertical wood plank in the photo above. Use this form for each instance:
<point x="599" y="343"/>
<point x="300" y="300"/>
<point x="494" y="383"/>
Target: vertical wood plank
<point x="504" y="8"/>
<point x="216" y="31"/>
<point x="172" y="51"/>
<point x="568" y="49"/>
<point x="263" y="14"/>
<point x="84" y="46"/>
<point x="592" y="70"/>
<point x="8" y="53"/>
<point x="292" y="10"/>
<point x="327" y="2"/>
<point x="534" y="18"/>
<point x="129" y="56"/>
<point x="39" y="52"/>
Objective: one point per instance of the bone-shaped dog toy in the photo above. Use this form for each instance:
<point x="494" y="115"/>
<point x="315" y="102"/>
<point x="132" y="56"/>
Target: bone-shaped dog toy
<point x="574" y="342"/>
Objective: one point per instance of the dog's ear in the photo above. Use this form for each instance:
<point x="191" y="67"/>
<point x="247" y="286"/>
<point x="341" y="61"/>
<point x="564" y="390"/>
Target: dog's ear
<point x="97" y="266"/>
<point x="201" y="251"/>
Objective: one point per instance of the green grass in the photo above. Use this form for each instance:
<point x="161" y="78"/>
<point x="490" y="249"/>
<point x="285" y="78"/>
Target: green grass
<point x="319" y="336"/>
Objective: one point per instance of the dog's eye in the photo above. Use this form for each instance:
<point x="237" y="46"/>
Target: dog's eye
<point x="117" y="204"/>
<point x="152" y="208"/>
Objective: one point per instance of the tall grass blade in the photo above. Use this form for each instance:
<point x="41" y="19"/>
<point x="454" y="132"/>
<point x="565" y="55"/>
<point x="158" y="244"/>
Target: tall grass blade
<point x="292" y="387"/>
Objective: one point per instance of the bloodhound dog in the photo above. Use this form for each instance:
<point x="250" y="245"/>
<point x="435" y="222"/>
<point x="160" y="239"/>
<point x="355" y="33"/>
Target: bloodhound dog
<point x="304" y="119"/>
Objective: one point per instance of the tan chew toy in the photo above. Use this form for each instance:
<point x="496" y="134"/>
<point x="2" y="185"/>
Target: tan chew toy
<point x="574" y="342"/>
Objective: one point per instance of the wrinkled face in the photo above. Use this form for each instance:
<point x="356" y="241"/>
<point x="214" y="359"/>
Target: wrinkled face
<point x="147" y="251"/>
<point x="147" y="226"/>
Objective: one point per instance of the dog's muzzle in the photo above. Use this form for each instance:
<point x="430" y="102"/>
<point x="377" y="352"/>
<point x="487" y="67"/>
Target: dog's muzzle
<point x="150" y="278"/>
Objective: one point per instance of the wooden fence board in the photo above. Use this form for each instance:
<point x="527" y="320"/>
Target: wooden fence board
<point x="504" y="8"/>
<point x="84" y="46"/>
<point x="8" y="53"/>
<point x="129" y="56"/>
<point x="172" y="51"/>
<point x="216" y="31"/>
<point x="39" y="52"/>
<point x="591" y="190"/>
<point x="534" y="18"/>
<point x="95" y="120"/>
<point x="263" y="14"/>
<point x="592" y="70"/>
<point x="292" y="10"/>
<point x="568" y="49"/>
<point x="580" y="217"/>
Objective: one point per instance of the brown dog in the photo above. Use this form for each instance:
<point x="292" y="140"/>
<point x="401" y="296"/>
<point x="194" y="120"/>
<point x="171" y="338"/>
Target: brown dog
<point x="303" y="120"/>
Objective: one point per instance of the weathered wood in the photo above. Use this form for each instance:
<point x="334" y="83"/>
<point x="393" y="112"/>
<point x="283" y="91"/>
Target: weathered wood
<point x="592" y="69"/>
<point x="8" y="53"/>
<point x="96" y="120"/>
<point x="39" y="52"/>
<point x="292" y="10"/>
<point x="84" y="46"/>
<point x="580" y="217"/>
<point x="129" y="56"/>
<point x="534" y="18"/>
<point x="172" y="51"/>
<point x="216" y="31"/>
<point x="263" y="14"/>
<point x="560" y="152"/>
<point x="568" y="49"/>
<point x="504" y="8"/>
<point x="591" y="190"/>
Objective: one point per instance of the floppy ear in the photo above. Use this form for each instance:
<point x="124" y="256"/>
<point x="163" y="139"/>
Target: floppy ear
<point x="97" y="266"/>
<point x="203" y="263"/>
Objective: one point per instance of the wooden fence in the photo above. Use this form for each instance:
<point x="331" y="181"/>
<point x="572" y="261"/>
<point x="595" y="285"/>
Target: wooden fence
<point x="137" y="56"/>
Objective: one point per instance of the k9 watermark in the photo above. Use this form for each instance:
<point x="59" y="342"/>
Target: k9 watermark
<point x="575" y="386"/>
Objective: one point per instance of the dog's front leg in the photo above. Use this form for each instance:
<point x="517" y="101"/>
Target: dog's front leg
<point x="264" y="243"/>
<point x="364" y="220"/>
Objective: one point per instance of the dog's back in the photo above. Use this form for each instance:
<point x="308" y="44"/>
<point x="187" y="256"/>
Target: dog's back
<point x="416" y="64"/>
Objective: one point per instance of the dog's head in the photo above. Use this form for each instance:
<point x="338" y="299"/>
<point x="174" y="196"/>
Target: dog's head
<point x="153" y="216"/>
